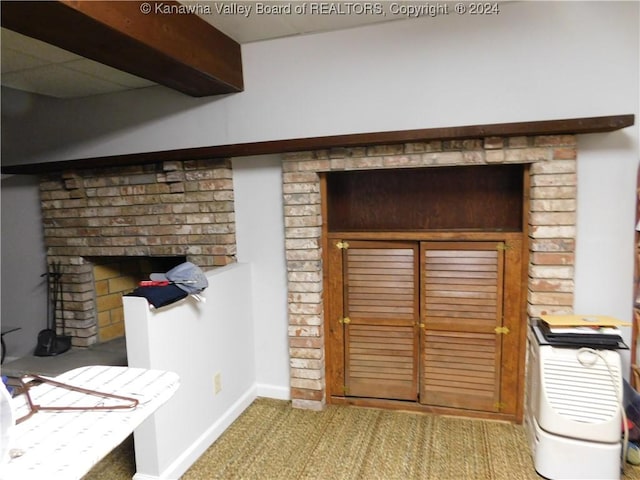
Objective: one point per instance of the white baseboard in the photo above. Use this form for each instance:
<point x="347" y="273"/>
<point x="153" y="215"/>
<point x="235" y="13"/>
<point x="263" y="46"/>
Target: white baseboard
<point x="142" y="476"/>
<point x="184" y="461"/>
<point x="273" y="391"/>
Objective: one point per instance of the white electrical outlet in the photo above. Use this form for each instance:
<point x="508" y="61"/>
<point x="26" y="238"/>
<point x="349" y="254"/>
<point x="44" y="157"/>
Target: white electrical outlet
<point x="217" y="383"/>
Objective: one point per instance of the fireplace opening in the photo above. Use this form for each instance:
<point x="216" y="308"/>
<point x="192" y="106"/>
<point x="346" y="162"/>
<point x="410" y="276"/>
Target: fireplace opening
<point x="114" y="277"/>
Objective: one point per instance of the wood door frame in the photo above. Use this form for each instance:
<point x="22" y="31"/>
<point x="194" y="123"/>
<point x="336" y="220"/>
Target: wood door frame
<point x="333" y="307"/>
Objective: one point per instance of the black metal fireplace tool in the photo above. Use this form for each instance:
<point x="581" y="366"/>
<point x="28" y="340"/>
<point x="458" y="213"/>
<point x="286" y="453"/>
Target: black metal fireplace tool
<point x="49" y="342"/>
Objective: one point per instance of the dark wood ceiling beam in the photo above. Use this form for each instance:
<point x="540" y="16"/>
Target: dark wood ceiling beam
<point x="574" y="126"/>
<point x="166" y="45"/>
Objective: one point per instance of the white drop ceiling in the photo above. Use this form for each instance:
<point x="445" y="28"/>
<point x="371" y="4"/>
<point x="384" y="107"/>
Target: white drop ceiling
<point x="34" y="66"/>
<point x="38" y="67"/>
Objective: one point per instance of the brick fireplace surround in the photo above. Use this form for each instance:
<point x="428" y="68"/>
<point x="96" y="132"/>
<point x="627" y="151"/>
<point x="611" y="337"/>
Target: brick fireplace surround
<point x="172" y="209"/>
<point x="186" y="209"/>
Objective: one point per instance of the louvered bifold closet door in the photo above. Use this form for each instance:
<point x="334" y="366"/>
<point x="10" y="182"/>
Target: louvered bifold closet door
<point x="461" y="308"/>
<point x="381" y="307"/>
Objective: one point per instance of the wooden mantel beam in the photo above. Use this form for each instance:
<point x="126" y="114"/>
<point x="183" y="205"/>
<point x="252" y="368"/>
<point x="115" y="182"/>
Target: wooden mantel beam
<point x="574" y="126"/>
<point x="165" y="44"/>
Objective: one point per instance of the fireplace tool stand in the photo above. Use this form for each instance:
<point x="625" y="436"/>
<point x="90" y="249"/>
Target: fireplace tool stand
<point x="49" y="342"/>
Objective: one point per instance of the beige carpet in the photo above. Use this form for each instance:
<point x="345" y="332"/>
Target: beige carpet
<point x="273" y="441"/>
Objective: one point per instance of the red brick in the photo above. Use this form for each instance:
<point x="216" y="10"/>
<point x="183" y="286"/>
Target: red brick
<point x="305" y="394"/>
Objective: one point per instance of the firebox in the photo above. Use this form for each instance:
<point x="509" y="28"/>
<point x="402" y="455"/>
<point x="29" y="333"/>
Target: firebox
<point x="116" y="276"/>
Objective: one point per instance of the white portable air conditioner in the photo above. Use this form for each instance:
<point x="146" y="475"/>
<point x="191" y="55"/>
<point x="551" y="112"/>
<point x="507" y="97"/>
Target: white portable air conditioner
<point x="573" y="413"/>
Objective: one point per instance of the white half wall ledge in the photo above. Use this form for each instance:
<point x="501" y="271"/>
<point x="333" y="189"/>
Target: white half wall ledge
<point x="198" y="341"/>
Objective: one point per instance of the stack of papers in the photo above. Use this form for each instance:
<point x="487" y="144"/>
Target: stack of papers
<point x="583" y="321"/>
<point x="586" y="330"/>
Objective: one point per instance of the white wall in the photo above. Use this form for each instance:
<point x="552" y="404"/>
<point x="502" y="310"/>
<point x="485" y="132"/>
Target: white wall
<point x="257" y="185"/>
<point x="605" y="223"/>
<point x="534" y="61"/>
<point x="606" y="227"/>
<point x="23" y="260"/>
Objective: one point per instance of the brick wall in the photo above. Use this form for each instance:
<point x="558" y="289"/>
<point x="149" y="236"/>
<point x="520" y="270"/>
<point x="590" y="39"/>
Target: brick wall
<point x="551" y="230"/>
<point x="186" y="209"/>
<point x="173" y="209"/>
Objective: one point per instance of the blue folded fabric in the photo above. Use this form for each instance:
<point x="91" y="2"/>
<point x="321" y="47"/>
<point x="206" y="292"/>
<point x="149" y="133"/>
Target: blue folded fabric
<point x="159" y="296"/>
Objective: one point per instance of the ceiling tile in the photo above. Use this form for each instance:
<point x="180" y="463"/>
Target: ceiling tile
<point x="254" y="27"/>
<point x="107" y="73"/>
<point x="14" y="60"/>
<point x="58" y="81"/>
<point x="31" y="65"/>
<point x="34" y="66"/>
<point x="35" y="48"/>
